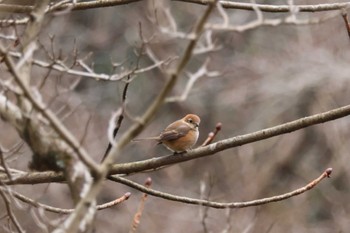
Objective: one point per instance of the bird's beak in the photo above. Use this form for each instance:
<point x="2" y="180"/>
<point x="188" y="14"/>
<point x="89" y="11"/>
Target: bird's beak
<point x="197" y="125"/>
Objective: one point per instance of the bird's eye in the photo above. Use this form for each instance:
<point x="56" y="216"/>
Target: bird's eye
<point x="190" y="120"/>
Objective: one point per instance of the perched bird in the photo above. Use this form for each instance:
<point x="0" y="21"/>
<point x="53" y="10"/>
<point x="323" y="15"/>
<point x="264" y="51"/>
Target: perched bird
<point x="180" y="135"/>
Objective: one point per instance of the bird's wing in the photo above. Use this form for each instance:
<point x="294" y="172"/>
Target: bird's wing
<point x="173" y="133"/>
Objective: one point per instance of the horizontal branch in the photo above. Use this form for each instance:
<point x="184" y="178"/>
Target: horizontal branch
<point x="66" y="211"/>
<point x="59" y="66"/>
<point x="226" y="4"/>
<point x="33" y="178"/>
<point x="274" y="8"/>
<point x="272" y="23"/>
<point x="221" y="205"/>
<point x="156" y="163"/>
<point x="13" y="8"/>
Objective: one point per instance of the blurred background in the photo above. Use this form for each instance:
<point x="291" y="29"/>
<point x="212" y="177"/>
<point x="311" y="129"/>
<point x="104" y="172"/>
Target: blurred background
<point x="269" y="76"/>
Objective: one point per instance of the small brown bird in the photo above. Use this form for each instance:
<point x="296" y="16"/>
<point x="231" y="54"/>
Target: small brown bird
<point x="180" y="135"/>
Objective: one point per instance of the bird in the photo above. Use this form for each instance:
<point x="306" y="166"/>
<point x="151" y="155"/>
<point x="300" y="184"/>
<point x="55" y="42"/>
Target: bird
<point x="179" y="136"/>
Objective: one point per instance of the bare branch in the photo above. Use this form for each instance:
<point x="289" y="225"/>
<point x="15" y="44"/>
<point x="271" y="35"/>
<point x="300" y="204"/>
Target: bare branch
<point x="225" y="4"/>
<point x="228" y="226"/>
<point x="346" y="21"/>
<point x="220" y="205"/>
<point x="272" y="22"/>
<point x="204" y="210"/>
<point x="4" y="165"/>
<point x="138" y="214"/>
<point x="156" y="163"/>
<point x="114" y="202"/>
<point x="202" y="71"/>
<point x="213" y="148"/>
<point x="67" y="5"/>
<point x="119" y="121"/>
<point x="67" y="211"/>
<point x="11" y="113"/>
<point x="274" y="8"/>
<point x="212" y="135"/>
<point x="10" y="212"/>
<point x="11" y="22"/>
<point x="60" y="66"/>
<point x="54" y="121"/>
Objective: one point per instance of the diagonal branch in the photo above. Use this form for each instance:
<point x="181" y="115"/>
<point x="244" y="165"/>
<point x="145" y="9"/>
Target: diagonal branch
<point x="54" y="121"/>
<point x="221" y="205"/>
<point x="10" y="212"/>
<point x="346" y="21"/>
<point x="11" y="113"/>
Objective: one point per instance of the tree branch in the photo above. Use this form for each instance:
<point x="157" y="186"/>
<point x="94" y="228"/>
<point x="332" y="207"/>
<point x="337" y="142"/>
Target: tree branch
<point x="11" y="113"/>
<point x="227" y="4"/>
<point x="120" y="118"/>
<point x="54" y="121"/>
<point x="156" y="163"/>
<point x="137" y="217"/>
<point x="10" y="212"/>
<point x="66" y="211"/>
<point x="274" y="8"/>
<point x="220" y="205"/>
<point x="346" y="21"/>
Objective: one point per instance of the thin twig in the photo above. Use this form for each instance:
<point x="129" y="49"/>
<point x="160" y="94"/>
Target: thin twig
<point x="60" y="66"/>
<point x="274" y="8"/>
<point x="221" y="205"/>
<point x="201" y="72"/>
<point x="204" y="210"/>
<point x="4" y="165"/>
<point x="272" y="22"/>
<point x="115" y="202"/>
<point x="228" y="226"/>
<point x="86" y="129"/>
<point x="137" y="217"/>
<point x="120" y="118"/>
<point x="346" y="21"/>
<point x="212" y="135"/>
<point x="67" y="211"/>
<point x="54" y="121"/>
<point x="10" y="212"/>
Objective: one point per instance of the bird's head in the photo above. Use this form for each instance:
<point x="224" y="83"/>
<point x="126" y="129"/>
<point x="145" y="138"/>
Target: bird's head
<point x="192" y="120"/>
